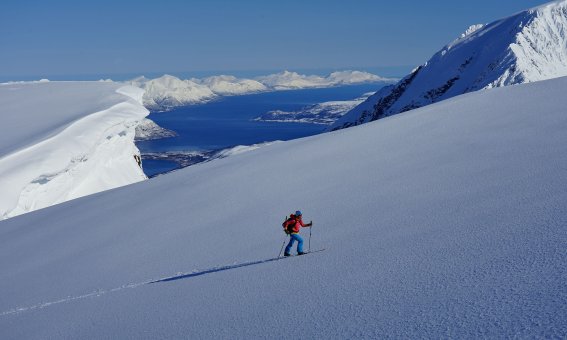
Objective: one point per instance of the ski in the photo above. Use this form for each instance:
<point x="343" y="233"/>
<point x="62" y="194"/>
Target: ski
<point x="306" y="253"/>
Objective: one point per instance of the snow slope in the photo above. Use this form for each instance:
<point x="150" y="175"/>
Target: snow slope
<point x="63" y="140"/>
<point x="526" y="47"/>
<point x="452" y="225"/>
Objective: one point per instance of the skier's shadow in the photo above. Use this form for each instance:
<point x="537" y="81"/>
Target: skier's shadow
<point x="222" y="268"/>
<point x="214" y="270"/>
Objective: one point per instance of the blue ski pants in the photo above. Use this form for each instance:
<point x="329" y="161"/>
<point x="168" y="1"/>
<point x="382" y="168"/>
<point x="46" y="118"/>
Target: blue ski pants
<point x="292" y="239"/>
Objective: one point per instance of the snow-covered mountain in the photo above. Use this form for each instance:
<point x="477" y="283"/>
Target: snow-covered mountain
<point x="147" y="129"/>
<point x="287" y="80"/>
<point x="168" y="91"/>
<point x="526" y="47"/>
<point x="230" y="85"/>
<point x="451" y="226"/>
<point x="63" y="140"/>
<point x="355" y="77"/>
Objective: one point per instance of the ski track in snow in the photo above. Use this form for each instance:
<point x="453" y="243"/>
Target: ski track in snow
<point x="178" y="276"/>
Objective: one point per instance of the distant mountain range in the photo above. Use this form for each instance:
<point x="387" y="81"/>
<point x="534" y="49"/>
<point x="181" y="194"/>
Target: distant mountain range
<point x="166" y="92"/>
<point x="526" y="47"/>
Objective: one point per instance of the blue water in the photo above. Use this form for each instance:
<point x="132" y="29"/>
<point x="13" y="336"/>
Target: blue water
<point x="154" y="167"/>
<point x="228" y="121"/>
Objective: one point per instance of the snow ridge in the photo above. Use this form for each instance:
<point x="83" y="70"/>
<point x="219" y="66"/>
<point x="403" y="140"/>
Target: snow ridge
<point x="526" y="47"/>
<point x="89" y="149"/>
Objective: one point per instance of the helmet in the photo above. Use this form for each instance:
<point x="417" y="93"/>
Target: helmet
<point x="298" y="213"/>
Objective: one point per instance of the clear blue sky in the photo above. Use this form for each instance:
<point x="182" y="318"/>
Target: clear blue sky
<point x="104" y="37"/>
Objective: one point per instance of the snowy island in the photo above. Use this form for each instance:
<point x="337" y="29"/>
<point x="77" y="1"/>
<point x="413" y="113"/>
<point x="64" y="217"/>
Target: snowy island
<point x="322" y="113"/>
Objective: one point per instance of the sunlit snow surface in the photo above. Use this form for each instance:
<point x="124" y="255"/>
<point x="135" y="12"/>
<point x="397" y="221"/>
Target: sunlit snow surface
<point x="447" y="221"/>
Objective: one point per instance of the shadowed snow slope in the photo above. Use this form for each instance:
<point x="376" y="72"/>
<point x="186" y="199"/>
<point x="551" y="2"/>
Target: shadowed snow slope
<point x="526" y="47"/>
<point x="63" y="140"/>
<point x="452" y="225"/>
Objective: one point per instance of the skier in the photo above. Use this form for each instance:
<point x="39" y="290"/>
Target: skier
<point x="293" y="224"/>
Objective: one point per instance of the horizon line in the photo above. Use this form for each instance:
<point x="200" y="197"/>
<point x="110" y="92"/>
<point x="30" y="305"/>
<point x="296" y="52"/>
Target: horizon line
<point x="187" y="74"/>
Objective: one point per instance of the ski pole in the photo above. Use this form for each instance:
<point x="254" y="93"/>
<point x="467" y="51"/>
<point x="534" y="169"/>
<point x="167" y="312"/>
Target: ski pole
<point x="283" y="244"/>
<point x="310" y="228"/>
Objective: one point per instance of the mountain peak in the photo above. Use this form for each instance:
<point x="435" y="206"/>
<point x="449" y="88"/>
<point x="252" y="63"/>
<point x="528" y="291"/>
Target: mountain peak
<point x="549" y="5"/>
<point x="526" y="47"/>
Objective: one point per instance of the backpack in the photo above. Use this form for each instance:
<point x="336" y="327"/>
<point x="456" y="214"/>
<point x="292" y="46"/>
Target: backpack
<point x="288" y="224"/>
